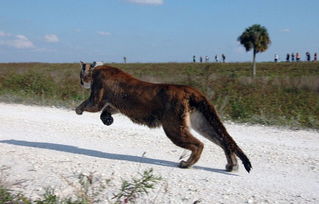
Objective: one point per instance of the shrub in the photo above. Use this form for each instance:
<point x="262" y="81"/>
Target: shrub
<point x="30" y="83"/>
<point x="131" y="190"/>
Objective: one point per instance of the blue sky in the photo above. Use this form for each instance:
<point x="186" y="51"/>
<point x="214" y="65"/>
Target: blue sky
<point x="151" y="30"/>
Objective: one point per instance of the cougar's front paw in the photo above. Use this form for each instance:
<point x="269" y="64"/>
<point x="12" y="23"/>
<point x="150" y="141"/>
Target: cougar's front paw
<point x="107" y="119"/>
<point x="78" y="111"/>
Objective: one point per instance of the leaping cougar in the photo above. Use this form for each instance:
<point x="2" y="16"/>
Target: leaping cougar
<point x="176" y="108"/>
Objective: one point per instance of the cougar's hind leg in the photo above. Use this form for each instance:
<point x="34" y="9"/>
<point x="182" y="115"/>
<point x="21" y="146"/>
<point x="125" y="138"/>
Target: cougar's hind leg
<point x="178" y="133"/>
<point x="232" y="164"/>
<point x="200" y="124"/>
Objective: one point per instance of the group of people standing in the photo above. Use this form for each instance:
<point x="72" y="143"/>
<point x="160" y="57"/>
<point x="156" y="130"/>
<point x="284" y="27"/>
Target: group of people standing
<point x="201" y="59"/>
<point x="296" y="57"/>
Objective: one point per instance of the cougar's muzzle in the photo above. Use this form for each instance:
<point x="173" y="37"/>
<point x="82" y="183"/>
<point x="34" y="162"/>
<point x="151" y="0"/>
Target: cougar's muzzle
<point x="86" y="75"/>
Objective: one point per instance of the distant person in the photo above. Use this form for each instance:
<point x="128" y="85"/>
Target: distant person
<point x="315" y="57"/>
<point x="276" y="57"/>
<point x="194" y="58"/>
<point x="292" y="57"/>
<point x="288" y="57"/>
<point x="308" y="56"/>
<point x="124" y="59"/>
<point x="224" y="58"/>
<point x="297" y="57"/>
<point x="200" y="59"/>
<point x="216" y="58"/>
<point x="206" y="59"/>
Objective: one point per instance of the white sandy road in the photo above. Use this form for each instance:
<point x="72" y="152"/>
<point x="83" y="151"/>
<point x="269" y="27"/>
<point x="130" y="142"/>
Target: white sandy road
<point x="46" y="146"/>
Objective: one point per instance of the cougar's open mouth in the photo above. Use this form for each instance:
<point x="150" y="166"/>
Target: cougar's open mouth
<point x="86" y="85"/>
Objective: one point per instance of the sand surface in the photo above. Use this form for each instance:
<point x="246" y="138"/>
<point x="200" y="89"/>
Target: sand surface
<point x="47" y="146"/>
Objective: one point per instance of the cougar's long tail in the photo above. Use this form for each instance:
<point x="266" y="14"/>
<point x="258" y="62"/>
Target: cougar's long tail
<point x="243" y="158"/>
<point x="213" y="119"/>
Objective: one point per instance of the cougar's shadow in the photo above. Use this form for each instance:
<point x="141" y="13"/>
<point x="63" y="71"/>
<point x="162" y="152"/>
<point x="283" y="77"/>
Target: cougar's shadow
<point x="99" y="154"/>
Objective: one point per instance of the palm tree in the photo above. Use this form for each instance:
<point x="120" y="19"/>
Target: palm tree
<point x="255" y="38"/>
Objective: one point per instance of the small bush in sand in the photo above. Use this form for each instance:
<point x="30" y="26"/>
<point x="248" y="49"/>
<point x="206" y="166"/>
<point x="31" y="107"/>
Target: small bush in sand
<point x="6" y="195"/>
<point x="88" y="190"/>
<point x="131" y="190"/>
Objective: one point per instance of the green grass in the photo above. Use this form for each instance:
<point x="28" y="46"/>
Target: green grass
<point x="285" y="94"/>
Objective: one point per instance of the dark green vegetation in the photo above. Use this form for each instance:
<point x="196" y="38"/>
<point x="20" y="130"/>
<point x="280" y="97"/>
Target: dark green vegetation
<point x="282" y="93"/>
<point x="255" y="38"/>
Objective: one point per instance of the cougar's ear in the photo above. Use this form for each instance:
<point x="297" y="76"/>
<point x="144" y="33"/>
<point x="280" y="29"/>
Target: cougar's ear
<point x="93" y="64"/>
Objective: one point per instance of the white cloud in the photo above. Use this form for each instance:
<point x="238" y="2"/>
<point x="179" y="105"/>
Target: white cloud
<point x="22" y="37"/>
<point x="103" y="33"/>
<point x="4" y="34"/>
<point x="18" y="41"/>
<point x="286" y="30"/>
<point x="154" y="2"/>
<point x="22" y="41"/>
<point x="52" y="38"/>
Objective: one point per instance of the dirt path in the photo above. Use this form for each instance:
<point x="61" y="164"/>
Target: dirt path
<point x="47" y="147"/>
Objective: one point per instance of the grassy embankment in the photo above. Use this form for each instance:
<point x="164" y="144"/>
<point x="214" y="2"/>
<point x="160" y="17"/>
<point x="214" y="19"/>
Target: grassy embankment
<point x="282" y="94"/>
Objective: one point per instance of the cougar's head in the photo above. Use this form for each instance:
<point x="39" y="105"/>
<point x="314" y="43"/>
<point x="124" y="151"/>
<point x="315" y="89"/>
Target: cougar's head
<point x="86" y="74"/>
